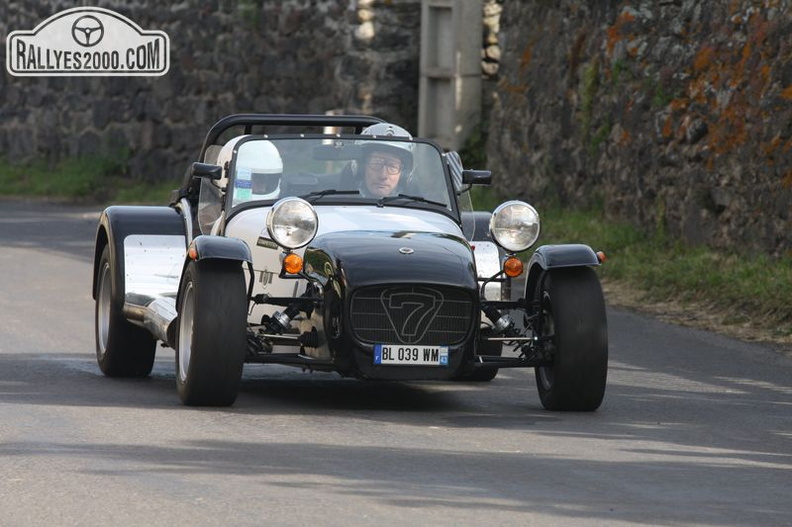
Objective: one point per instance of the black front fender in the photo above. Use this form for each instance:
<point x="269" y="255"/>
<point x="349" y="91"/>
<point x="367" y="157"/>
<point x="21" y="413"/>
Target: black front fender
<point x="209" y="247"/>
<point x="549" y="257"/>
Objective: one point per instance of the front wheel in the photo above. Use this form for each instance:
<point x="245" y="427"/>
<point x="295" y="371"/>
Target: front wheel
<point x="211" y="341"/>
<point x="122" y="348"/>
<point x="572" y="320"/>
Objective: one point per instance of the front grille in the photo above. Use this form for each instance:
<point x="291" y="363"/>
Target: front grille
<point x="411" y="314"/>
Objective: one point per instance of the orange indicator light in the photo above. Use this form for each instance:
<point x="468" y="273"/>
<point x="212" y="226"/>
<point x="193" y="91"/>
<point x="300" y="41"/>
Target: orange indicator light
<point x="601" y="256"/>
<point x="513" y="267"/>
<point x="292" y="263"/>
<point x="192" y="252"/>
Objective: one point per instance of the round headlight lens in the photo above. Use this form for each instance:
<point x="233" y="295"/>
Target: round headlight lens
<point x="515" y="226"/>
<point x="292" y="222"/>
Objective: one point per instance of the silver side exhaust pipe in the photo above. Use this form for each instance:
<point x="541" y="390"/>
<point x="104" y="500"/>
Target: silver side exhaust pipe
<point x="158" y="317"/>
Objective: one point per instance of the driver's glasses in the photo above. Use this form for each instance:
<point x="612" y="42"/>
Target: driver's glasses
<point x="392" y="168"/>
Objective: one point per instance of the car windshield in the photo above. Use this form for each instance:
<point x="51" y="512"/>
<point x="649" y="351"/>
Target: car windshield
<point x="345" y="170"/>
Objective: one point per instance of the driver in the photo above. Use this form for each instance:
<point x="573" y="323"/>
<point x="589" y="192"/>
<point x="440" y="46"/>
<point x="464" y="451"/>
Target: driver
<point x="382" y="173"/>
<point x="386" y="165"/>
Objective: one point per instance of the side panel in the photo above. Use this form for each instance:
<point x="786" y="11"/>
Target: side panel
<point x="119" y="222"/>
<point x="153" y="265"/>
<point x="475" y="226"/>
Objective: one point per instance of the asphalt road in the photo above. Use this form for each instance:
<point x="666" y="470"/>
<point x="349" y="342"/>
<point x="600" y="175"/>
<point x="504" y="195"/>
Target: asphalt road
<point x="695" y="429"/>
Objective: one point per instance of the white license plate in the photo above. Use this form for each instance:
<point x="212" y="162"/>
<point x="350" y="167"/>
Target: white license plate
<point x="411" y="355"/>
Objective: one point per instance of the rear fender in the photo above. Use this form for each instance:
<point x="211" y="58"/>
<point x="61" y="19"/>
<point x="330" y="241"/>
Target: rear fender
<point x="135" y="229"/>
<point x="549" y="257"/>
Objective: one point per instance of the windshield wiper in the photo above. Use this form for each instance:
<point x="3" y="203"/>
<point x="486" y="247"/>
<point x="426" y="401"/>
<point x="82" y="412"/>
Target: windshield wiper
<point x="387" y="199"/>
<point x="313" y="196"/>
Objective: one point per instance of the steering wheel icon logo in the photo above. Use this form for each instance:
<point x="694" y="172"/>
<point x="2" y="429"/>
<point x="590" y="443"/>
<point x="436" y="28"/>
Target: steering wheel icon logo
<point x="87" y="31"/>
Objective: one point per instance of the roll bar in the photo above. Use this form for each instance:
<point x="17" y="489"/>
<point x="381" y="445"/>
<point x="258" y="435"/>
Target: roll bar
<point x="249" y="120"/>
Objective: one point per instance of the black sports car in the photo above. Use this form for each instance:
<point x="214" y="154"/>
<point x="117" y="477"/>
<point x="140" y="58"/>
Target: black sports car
<point x="341" y="243"/>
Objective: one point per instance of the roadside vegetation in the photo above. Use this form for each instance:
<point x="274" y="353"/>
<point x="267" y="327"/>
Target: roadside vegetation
<point x="747" y="296"/>
<point x="88" y="180"/>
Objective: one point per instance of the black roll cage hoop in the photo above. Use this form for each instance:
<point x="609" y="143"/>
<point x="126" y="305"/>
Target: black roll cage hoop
<point x="249" y="120"/>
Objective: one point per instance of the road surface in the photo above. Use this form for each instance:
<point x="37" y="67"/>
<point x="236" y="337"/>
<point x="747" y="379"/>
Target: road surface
<point x="695" y="429"/>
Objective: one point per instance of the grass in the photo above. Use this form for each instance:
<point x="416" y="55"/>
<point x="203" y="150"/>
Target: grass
<point x="93" y="179"/>
<point x="740" y="289"/>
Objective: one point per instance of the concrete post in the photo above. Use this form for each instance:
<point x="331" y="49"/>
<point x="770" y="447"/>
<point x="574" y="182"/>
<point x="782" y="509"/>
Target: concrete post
<point x="450" y="86"/>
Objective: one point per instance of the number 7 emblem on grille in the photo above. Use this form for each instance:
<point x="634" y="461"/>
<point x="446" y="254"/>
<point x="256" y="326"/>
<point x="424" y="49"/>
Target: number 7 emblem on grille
<point x="411" y="310"/>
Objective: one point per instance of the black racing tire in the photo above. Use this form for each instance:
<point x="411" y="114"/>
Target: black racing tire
<point x="484" y="373"/>
<point x="122" y="348"/>
<point x="211" y="340"/>
<point x="573" y="313"/>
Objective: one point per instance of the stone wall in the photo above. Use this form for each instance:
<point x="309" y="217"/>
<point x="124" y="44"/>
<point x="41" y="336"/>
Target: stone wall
<point x="674" y="114"/>
<point x="227" y="56"/>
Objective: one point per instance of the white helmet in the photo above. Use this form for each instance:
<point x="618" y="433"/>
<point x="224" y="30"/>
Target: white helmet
<point x="403" y="150"/>
<point x="257" y="170"/>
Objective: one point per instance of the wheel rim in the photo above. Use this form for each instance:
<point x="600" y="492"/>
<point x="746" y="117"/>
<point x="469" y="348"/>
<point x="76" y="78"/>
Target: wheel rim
<point x="547" y="373"/>
<point x="186" y="317"/>
<point x="103" y="301"/>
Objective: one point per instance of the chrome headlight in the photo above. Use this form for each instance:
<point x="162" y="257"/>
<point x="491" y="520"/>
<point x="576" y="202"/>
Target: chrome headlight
<point x="515" y="226"/>
<point x="292" y="222"/>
